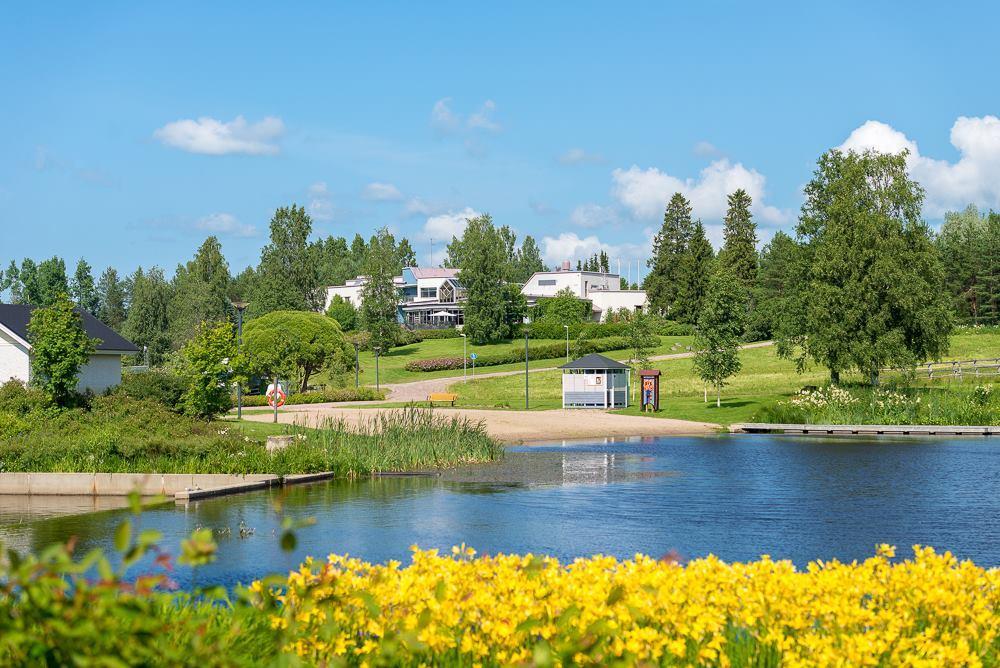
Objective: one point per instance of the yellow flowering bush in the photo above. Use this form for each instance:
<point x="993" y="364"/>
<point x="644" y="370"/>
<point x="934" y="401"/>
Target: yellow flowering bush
<point x="931" y="610"/>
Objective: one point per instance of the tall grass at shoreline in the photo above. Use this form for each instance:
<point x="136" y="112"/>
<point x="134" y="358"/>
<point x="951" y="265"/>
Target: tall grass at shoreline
<point x="133" y="436"/>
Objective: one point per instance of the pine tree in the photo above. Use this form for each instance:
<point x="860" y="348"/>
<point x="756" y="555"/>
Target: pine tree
<point x="694" y="271"/>
<point x="379" y="296"/>
<point x="739" y="251"/>
<point x="111" y="299"/>
<point x="776" y="280"/>
<point x="83" y="289"/>
<point x="669" y="244"/>
<point x="873" y="295"/>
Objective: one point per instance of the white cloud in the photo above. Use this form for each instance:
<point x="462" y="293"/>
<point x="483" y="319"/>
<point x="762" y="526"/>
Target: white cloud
<point x="442" y="227"/>
<point x="442" y="117"/>
<point x="213" y="137"/>
<point x="320" y="203"/>
<point x="705" y="148"/>
<point x="382" y="192"/>
<point x="446" y="121"/>
<point x="542" y="208"/>
<point x="483" y="119"/>
<point x="594" y="215"/>
<point x="578" y="156"/>
<point x="225" y="224"/>
<point x="418" y="206"/>
<point x="645" y="192"/>
<point x="570" y="246"/>
<point x="973" y="179"/>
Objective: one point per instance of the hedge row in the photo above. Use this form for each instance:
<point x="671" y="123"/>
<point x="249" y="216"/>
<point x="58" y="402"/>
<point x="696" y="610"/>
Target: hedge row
<point x="551" y="330"/>
<point x="320" y="397"/>
<point x="539" y="352"/>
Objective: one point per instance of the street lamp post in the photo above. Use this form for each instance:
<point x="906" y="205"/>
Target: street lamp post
<point x="566" y="327"/>
<point x="377" y="350"/>
<point x="526" y="364"/>
<point x="465" y="358"/>
<point x="240" y="307"/>
<point x="357" y="365"/>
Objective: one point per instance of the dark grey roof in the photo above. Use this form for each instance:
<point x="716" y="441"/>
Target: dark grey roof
<point x="594" y="361"/>
<point x="15" y="317"/>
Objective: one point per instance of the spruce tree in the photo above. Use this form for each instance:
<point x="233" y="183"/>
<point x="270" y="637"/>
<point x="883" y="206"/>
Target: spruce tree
<point x="83" y="289"/>
<point x="200" y="293"/>
<point x="661" y="283"/>
<point x="482" y="274"/>
<point x="111" y="299"/>
<point x="739" y="251"/>
<point x="694" y="271"/>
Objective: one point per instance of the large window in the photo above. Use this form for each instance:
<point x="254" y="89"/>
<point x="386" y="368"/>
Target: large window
<point x="546" y="281"/>
<point x="428" y="293"/>
<point x="446" y="294"/>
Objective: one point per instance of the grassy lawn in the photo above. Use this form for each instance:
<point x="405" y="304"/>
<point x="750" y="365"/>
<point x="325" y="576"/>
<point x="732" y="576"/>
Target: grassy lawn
<point x="765" y="378"/>
<point x="391" y="364"/>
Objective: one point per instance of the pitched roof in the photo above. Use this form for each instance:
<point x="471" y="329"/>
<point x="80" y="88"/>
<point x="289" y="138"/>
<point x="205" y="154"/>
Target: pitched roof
<point x="434" y="272"/>
<point x="594" y="361"/>
<point x="16" y="317"/>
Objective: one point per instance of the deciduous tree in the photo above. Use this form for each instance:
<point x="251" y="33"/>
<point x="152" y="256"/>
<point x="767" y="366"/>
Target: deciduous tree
<point x="719" y="331"/>
<point x="296" y="344"/>
<point x="60" y="347"/>
<point x="288" y="277"/>
<point x="481" y="272"/>
<point x="83" y="289"/>
<point x="111" y="299"/>
<point x="147" y="324"/>
<point x="379" y="296"/>
<point x="206" y="365"/>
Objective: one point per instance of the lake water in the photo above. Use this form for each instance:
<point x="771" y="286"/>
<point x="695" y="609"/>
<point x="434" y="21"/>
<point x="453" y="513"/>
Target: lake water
<point x="734" y="496"/>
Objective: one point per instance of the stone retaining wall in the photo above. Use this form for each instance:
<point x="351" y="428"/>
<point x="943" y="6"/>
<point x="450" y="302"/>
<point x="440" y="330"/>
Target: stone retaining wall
<point x="123" y="484"/>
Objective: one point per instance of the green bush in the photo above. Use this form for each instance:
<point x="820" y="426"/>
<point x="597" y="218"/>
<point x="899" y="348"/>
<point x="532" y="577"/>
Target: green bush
<point x="537" y="352"/>
<point x="320" y="397"/>
<point x="428" y="334"/>
<point x="161" y="387"/>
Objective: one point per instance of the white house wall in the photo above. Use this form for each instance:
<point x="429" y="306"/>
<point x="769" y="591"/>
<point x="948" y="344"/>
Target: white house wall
<point x="100" y="373"/>
<point x="350" y="293"/>
<point x="583" y="284"/>
<point x="607" y="300"/>
<point x="14" y="360"/>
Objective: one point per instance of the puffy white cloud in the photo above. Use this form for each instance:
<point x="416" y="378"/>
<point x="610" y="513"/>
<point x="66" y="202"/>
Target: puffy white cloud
<point x="320" y="203"/>
<point x="973" y="179"/>
<point x="570" y="246"/>
<point x="225" y="224"/>
<point x="594" y="215"/>
<point x="578" y="156"/>
<point x="382" y="192"/>
<point x="645" y="192"/>
<point x="213" y="137"/>
<point x="443" y="227"/>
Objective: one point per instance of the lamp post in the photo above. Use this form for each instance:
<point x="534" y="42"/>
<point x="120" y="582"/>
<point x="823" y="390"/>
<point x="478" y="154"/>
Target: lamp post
<point x="465" y="358"/>
<point x="377" y="350"/>
<point x="566" y="327"/>
<point x="240" y="307"/>
<point x="526" y="321"/>
<point x="357" y="365"/>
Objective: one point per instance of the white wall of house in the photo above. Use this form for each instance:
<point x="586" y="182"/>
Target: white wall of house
<point x="14" y="360"/>
<point x="607" y="300"/>
<point x="350" y="292"/>
<point x="581" y="283"/>
<point x="102" y="372"/>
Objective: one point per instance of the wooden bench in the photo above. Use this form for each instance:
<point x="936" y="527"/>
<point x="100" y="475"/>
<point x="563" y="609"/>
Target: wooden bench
<point x="442" y="397"/>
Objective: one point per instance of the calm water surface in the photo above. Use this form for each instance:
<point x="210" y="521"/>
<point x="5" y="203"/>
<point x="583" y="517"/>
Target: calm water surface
<point x="734" y="496"/>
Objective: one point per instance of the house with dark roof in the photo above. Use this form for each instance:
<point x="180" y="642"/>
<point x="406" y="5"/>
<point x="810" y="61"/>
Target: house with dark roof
<point x="595" y="381"/>
<point x="102" y="371"/>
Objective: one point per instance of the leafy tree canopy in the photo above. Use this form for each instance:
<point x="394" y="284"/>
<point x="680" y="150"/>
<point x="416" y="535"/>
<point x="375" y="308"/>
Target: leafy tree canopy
<point x="295" y="344"/>
<point x="59" y="349"/>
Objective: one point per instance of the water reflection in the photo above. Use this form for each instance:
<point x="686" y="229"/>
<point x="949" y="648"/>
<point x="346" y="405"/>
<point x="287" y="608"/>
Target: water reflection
<point x="737" y="497"/>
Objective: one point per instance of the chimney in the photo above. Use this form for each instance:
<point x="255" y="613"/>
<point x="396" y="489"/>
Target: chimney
<point x="565" y="265"/>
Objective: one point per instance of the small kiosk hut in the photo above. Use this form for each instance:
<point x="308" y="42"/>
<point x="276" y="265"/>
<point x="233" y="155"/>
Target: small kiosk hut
<point x="595" y="381"/>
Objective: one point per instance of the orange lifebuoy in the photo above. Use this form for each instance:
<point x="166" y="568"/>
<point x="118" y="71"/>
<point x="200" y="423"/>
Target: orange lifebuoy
<point x="281" y="396"/>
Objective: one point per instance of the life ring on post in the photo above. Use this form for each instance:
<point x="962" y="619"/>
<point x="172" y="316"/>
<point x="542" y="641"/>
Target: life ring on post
<point x="271" y="394"/>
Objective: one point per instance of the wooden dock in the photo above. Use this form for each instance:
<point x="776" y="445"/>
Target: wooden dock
<point x="864" y="429"/>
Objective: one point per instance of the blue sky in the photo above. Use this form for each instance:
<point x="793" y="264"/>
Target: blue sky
<point x="130" y="132"/>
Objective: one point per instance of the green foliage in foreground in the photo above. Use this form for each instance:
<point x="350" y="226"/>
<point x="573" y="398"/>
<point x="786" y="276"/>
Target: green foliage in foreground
<point x="120" y="435"/>
<point x="956" y="405"/>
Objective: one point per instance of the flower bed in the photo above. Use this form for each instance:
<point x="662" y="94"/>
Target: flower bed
<point x="511" y="609"/>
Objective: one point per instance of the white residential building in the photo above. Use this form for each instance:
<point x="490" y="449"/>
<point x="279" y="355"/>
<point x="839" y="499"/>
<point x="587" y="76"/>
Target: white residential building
<point x="430" y="297"/>
<point x="602" y="289"/>
<point x="102" y="372"/>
